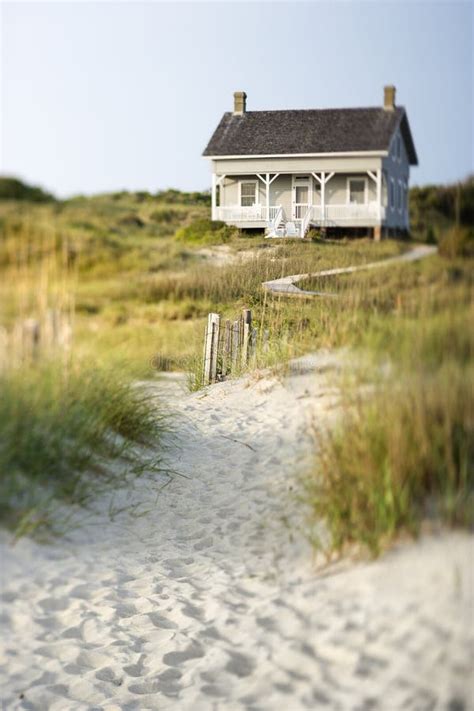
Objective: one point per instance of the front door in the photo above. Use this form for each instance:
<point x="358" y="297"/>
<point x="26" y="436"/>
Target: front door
<point x="301" y="196"/>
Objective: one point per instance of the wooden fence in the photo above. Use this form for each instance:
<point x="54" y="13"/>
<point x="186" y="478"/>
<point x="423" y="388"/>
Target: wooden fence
<point x="32" y="338"/>
<point x="228" y="345"/>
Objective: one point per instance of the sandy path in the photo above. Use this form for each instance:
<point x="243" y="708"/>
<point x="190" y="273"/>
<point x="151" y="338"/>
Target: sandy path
<point x="209" y="601"/>
<point x="287" y="284"/>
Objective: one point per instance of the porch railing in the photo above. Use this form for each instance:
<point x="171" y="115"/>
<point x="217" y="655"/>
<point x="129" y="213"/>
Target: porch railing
<point x="237" y="213"/>
<point x="301" y="213"/>
<point x="300" y="210"/>
<point x="254" y="213"/>
<point x="346" y="213"/>
<point x="273" y="212"/>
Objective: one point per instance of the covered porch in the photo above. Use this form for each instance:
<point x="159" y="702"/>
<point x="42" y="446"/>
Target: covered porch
<point x="287" y="204"/>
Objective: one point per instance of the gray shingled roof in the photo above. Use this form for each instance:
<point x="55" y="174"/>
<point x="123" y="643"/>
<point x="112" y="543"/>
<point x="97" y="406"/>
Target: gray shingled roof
<point x="309" y="131"/>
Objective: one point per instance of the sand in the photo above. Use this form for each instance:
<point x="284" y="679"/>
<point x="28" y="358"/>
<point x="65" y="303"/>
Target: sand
<point x="203" y="594"/>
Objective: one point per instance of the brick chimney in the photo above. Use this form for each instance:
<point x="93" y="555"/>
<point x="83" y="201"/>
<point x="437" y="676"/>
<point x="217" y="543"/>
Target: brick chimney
<point x="389" y="97"/>
<point x="240" y="102"/>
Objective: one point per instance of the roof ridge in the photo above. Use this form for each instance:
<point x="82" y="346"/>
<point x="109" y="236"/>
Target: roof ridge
<point x="340" y="108"/>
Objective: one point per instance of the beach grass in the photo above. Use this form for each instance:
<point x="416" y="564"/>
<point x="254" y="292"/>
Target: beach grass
<point x="399" y="458"/>
<point x="63" y="417"/>
<point x="402" y="454"/>
<point x="60" y="430"/>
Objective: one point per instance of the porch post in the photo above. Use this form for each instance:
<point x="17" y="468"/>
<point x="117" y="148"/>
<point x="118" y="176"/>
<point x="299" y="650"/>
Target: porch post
<point x="379" y="193"/>
<point x="323" y="197"/>
<point x="267" y="194"/>
<point x="213" y="197"/>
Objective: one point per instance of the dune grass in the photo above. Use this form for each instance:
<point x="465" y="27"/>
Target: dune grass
<point x="63" y="418"/>
<point x="401" y="457"/>
<point x="404" y="454"/>
<point x="58" y="433"/>
<point x="145" y="279"/>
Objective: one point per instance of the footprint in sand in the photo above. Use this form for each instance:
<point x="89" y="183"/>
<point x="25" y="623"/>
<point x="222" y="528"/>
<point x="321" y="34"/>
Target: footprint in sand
<point x="214" y="690"/>
<point x="125" y="610"/>
<point x="151" y="686"/>
<point x="73" y="669"/>
<point x="192" y="611"/>
<point x="203" y="543"/>
<point x="239" y="664"/>
<point x="51" y="604"/>
<point x="161" y="621"/>
<point x="108" y="674"/>
<point x="72" y="633"/>
<point x="175" y="659"/>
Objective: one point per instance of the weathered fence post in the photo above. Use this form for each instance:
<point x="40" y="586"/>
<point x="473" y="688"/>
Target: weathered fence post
<point x="211" y="343"/>
<point x="253" y="343"/>
<point x="235" y="342"/>
<point x="266" y="344"/>
<point x="246" y="336"/>
<point x="31" y="336"/>
<point x="227" y="347"/>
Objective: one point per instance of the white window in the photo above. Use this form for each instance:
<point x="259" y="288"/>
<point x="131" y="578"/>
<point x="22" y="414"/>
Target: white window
<point x="357" y="191"/>
<point x="248" y="193"/>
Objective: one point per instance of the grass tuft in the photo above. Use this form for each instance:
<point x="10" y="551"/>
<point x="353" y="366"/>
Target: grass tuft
<point x="58" y="430"/>
<point x="397" y="459"/>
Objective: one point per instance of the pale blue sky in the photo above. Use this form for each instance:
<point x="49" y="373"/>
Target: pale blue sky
<point x="106" y="96"/>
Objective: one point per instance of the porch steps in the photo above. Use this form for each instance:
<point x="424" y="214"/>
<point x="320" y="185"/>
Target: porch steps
<point x="283" y="228"/>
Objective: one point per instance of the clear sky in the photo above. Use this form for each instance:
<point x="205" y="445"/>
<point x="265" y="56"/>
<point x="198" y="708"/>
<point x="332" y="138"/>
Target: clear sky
<point x="109" y="96"/>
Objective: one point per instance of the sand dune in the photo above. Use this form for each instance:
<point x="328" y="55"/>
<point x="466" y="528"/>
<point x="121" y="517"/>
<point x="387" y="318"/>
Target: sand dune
<point x="204" y="594"/>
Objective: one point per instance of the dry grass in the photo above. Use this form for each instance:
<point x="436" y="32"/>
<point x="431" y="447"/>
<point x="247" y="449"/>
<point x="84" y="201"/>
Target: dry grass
<point x="61" y="417"/>
<point x="404" y="454"/>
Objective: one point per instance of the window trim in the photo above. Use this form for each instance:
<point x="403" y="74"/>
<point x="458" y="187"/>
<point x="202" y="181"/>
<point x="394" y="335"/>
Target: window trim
<point x="305" y="181"/>
<point x="400" y="196"/>
<point x="256" y="193"/>
<point x="348" y="189"/>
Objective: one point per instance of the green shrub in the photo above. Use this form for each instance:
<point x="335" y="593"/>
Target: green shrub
<point x="14" y="189"/>
<point x="206" y="232"/>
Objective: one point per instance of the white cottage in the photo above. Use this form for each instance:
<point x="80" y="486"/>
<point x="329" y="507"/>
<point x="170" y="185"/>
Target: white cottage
<point x="285" y="171"/>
